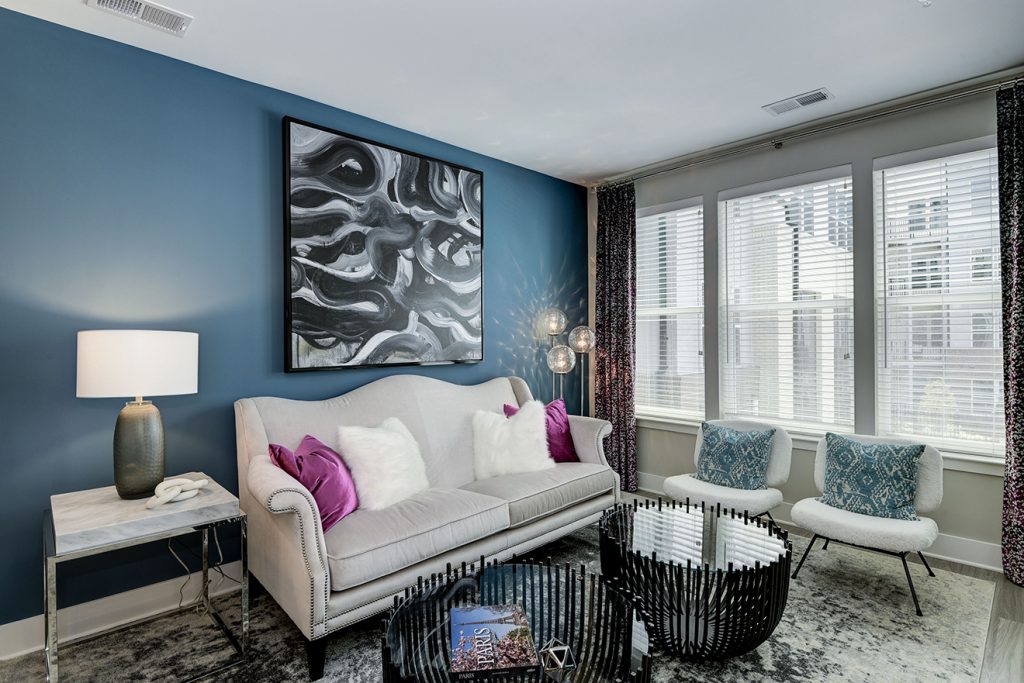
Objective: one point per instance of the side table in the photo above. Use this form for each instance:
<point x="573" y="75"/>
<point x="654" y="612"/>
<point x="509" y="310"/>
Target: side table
<point x="97" y="521"/>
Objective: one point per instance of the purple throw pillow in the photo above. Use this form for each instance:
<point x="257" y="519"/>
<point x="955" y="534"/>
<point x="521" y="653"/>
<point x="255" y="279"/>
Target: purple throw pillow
<point x="321" y="470"/>
<point x="560" y="443"/>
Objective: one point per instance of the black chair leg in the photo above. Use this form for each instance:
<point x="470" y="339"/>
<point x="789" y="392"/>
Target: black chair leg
<point x="913" y="593"/>
<point x="316" y="655"/>
<point x="825" y="547"/>
<point x="926" y="565"/>
<point x="806" y="552"/>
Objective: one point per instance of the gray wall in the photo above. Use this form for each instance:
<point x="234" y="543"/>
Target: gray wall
<point x="972" y="503"/>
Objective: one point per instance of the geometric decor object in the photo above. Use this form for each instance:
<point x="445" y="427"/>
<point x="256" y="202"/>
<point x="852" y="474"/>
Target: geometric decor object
<point x="383" y="251"/>
<point x="709" y="583"/>
<point x="583" y="622"/>
<point x="556" y="657"/>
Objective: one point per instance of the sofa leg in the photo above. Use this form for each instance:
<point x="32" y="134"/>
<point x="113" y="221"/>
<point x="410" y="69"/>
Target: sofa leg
<point x="316" y="655"/>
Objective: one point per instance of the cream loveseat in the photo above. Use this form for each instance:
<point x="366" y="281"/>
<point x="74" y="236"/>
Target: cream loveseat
<point x="325" y="582"/>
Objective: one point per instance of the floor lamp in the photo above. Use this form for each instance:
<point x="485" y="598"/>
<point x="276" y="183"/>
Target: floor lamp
<point x="561" y="360"/>
<point x="582" y="340"/>
<point x="553" y="323"/>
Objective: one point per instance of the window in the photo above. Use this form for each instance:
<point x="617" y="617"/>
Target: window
<point x="786" y="264"/>
<point x="939" y="340"/>
<point x="670" y="311"/>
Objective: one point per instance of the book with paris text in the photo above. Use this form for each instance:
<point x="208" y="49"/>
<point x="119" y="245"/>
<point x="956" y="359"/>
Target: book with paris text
<point x="491" y="640"/>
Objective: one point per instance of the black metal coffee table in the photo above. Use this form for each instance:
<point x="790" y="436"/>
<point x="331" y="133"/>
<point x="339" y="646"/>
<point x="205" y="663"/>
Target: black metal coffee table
<point x="600" y="625"/>
<point x="710" y="583"/>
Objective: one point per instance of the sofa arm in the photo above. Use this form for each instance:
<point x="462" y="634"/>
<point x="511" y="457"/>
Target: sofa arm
<point x="287" y="550"/>
<point x="588" y="435"/>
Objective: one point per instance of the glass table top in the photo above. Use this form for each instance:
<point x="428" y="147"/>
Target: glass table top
<point x="683" y="534"/>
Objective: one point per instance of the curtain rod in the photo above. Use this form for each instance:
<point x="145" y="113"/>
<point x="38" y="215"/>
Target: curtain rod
<point x="777" y="141"/>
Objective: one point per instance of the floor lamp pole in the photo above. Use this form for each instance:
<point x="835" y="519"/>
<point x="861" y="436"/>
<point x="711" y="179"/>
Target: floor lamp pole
<point x="551" y="342"/>
<point x="583" y="382"/>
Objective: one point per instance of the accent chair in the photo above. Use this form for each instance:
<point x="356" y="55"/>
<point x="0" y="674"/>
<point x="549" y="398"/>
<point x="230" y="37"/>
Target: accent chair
<point x="757" y="501"/>
<point x="896" y="537"/>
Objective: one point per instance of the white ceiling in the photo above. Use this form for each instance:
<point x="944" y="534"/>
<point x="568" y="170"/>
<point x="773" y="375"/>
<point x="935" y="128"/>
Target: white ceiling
<point x="580" y="89"/>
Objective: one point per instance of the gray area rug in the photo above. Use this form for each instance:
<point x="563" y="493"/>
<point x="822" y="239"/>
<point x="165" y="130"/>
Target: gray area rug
<point x="849" y="618"/>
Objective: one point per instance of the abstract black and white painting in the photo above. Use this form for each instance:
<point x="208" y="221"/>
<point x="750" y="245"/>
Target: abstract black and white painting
<point x="384" y="254"/>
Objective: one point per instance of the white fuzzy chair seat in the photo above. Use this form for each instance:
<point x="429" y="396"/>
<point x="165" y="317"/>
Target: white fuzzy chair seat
<point x="756" y="501"/>
<point x="894" y="535"/>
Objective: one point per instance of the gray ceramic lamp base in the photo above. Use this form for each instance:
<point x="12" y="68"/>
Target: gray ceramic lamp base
<point x="138" y="450"/>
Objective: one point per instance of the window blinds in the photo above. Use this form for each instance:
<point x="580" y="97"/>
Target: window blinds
<point x="670" y="311"/>
<point x="938" y="306"/>
<point x="786" y="303"/>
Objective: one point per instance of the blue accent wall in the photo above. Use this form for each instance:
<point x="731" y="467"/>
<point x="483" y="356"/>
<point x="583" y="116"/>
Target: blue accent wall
<point x="140" y="191"/>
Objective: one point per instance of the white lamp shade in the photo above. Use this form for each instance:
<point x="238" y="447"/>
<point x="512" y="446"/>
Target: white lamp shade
<point x="122" y="363"/>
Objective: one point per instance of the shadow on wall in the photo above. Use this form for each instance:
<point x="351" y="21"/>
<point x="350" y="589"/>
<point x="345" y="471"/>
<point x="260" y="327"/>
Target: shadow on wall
<point x="522" y="350"/>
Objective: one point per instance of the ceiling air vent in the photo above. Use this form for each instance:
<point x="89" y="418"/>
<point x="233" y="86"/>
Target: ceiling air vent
<point x="798" y="101"/>
<point x="146" y="13"/>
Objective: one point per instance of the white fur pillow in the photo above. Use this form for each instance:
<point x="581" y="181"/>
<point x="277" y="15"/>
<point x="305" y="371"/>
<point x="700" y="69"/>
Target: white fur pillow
<point x="510" y="445"/>
<point x="385" y="463"/>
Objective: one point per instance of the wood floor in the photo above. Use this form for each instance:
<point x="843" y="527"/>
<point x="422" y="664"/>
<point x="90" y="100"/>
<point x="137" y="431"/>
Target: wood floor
<point x="1004" y="645"/>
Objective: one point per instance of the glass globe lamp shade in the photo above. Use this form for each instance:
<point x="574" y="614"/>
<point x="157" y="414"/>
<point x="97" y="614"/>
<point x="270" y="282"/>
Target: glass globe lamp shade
<point x="553" y="321"/>
<point x="561" y="359"/>
<point x="582" y="339"/>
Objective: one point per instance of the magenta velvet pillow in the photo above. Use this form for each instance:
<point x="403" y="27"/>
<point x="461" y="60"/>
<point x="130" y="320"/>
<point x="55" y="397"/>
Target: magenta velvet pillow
<point x="321" y="470"/>
<point x="560" y="443"/>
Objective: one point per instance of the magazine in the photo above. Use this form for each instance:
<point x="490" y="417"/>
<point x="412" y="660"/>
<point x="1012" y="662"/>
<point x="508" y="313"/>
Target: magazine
<point x="491" y="640"/>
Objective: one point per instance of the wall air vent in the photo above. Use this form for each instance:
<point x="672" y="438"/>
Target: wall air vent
<point x="146" y="13"/>
<point x="798" y="101"/>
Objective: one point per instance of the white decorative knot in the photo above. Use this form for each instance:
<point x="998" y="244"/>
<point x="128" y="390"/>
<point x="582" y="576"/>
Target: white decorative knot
<point x="173" y="490"/>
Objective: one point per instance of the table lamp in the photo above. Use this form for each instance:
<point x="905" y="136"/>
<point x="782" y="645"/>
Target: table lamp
<point x="122" y="363"/>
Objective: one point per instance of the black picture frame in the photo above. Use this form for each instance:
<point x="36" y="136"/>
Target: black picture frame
<point x="292" y="337"/>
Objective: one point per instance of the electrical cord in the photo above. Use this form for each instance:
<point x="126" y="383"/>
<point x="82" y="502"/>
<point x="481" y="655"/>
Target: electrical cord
<point x="217" y="568"/>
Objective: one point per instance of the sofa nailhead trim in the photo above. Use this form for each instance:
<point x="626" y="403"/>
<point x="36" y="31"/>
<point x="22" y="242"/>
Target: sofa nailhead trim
<point x="305" y="555"/>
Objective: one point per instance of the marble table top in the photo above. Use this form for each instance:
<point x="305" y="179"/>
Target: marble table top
<point x="98" y="518"/>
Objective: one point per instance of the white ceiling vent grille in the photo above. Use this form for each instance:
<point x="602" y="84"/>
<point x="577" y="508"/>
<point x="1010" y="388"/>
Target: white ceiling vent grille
<point x="146" y="13"/>
<point x="798" y="101"/>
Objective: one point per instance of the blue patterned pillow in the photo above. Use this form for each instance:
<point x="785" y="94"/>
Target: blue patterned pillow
<point x="729" y="457"/>
<point x="878" y="479"/>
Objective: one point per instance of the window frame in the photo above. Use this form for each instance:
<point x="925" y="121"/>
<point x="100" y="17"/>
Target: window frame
<point x="984" y="458"/>
<point x="805" y="429"/>
<point x="662" y="414"/>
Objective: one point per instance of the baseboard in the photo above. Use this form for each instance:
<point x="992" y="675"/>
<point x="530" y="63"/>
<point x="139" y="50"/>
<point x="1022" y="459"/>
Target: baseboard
<point x="651" y="483"/>
<point x="25" y="636"/>
<point x="947" y="547"/>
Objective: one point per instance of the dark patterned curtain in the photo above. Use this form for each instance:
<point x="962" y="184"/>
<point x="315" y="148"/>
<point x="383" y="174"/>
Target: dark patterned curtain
<point x="615" y="357"/>
<point x="1010" y="118"/>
